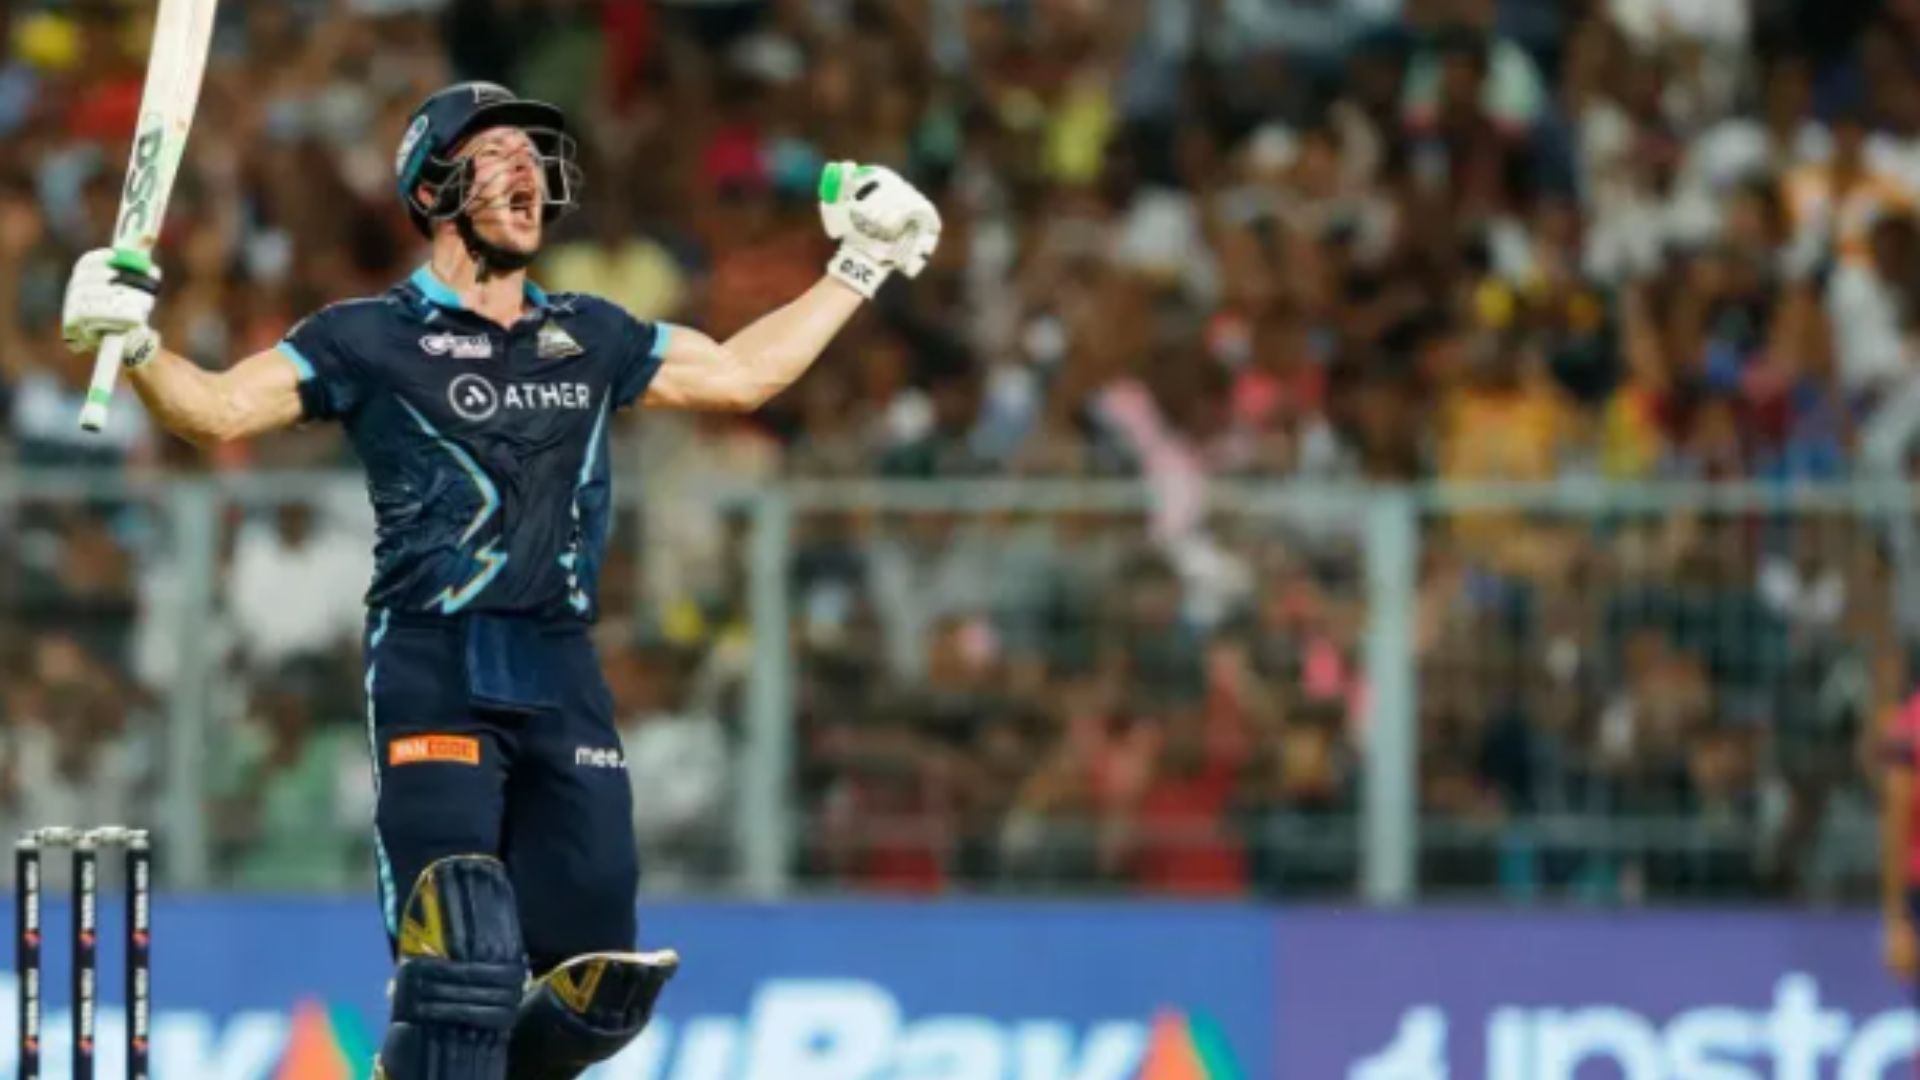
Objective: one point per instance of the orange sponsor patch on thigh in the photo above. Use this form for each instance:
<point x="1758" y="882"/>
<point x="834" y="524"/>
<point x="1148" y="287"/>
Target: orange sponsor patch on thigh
<point x="419" y="749"/>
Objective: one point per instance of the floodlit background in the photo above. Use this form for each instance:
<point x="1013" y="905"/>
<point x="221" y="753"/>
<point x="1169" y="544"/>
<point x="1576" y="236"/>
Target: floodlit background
<point x="1347" y="454"/>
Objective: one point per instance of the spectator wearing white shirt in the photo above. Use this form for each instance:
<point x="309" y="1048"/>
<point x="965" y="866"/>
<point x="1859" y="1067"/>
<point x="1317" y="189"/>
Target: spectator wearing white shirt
<point x="1871" y="306"/>
<point x="295" y="587"/>
<point x="1833" y="206"/>
<point x="1723" y="23"/>
<point x="679" y="763"/>
<point x="1783" y="136"/>
<point x="1894" y="95"/>
<point x="1512" y="91"/>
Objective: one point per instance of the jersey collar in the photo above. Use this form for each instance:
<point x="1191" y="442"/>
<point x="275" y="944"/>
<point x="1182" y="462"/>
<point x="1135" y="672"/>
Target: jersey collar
<point x="441" y="294"/>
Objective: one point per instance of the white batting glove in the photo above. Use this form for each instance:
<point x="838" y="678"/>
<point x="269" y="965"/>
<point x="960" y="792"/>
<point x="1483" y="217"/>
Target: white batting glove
<point x="103" y="300"/>
<point x="882" y="222"/>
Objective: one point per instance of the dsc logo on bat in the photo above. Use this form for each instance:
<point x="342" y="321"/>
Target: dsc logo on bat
<point x="143" y="179"/>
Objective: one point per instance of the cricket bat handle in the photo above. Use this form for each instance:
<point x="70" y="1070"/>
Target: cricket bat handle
<point x="106" y="368"/>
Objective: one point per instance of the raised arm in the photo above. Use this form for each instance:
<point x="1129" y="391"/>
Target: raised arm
<point x="883" y="224"/>
<point x="259" y="394"/>
<point x="745" y="371"/>
<point x="255" y="396"/>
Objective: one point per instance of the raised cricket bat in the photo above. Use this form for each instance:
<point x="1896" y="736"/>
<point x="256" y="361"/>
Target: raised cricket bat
<point x="182" y="33"/>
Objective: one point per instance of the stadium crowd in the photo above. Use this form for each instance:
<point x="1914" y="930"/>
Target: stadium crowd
<point x="1189" y="241"/>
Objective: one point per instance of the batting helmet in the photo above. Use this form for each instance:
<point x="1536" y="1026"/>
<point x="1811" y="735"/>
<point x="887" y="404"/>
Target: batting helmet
<point x="426" y="156"/>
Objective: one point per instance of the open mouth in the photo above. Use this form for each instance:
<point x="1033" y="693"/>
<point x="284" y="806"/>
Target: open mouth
<point x="522" y="206"/>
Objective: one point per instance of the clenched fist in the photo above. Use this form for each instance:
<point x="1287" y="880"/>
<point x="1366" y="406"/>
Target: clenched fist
<point x="882" y="222"/>
<point x="103" y="299"/>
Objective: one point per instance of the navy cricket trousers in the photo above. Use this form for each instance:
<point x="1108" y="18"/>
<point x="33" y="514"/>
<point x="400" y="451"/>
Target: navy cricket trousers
<point x="494" y="735"/>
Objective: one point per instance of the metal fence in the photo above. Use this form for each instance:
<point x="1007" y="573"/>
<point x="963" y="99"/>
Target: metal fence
<point x="1600" y="694"/>
<point x="1662" y="693"/>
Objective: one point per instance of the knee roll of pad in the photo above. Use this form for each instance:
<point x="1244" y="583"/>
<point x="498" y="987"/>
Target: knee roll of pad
<point x="429" y="989"/>
<point x="462" y="975"/>
<point x="586" y="1011"/>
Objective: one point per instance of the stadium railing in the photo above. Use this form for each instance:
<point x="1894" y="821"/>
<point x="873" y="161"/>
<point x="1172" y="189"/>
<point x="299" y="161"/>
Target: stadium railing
<point x="1598" y="692"/>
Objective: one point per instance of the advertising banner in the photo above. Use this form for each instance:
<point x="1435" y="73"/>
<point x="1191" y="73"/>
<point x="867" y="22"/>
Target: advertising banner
<point x="287" y="990"/>
<point x="1513" y="996"/>
<point x="874" y="990"/>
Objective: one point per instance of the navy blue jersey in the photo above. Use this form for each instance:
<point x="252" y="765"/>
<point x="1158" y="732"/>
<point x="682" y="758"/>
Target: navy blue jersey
<point x="485" y="448"/>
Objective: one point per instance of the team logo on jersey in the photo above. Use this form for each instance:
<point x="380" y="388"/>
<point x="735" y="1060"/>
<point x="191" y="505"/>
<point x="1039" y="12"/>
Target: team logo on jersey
<point x="594" y="757"/>
<point x="470" y="347"/>
<point x="473" y="397"/>
<point x="555" y="343"/>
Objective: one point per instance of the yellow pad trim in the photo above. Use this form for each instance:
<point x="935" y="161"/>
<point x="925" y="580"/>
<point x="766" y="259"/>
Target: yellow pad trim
<point x="424" y="930"/>
<point x="577" y="984"/>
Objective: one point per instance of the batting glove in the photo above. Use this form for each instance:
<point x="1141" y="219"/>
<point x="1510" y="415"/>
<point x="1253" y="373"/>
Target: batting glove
<point x="103" y="299"/>
<point x="882" y="222"/>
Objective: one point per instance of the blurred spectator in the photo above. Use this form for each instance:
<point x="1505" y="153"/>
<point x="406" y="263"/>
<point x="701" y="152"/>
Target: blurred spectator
<point x="679" y="761"/>
<point x="627" y="267"/>
<point x="282" y="805"/>
<point x="1052" y="834"/>
<point x="284" y="589"/>
<point x="1872" y="308"/>
<point x="73" y="753"/>
<point x="1179" y="832"/>
<point x="1468" y="68"/>
<point x="1781" y="136"/>
<point x="1833" y="206"/>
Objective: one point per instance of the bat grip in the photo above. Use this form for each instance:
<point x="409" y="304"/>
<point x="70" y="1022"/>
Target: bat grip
<point x="106" y="368"/>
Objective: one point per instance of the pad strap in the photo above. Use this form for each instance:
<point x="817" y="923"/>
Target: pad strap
<point x="428" y="989"/>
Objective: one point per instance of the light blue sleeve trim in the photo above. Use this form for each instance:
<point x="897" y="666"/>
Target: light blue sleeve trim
<point x="300" y="362"/>
<point x="662" y="333"/>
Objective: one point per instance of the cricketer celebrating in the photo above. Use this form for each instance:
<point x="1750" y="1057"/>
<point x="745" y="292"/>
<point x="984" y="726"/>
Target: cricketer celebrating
<point x="478" y="405"/>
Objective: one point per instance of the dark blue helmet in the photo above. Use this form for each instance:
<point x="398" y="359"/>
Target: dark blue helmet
<point x="426" y="157"/>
